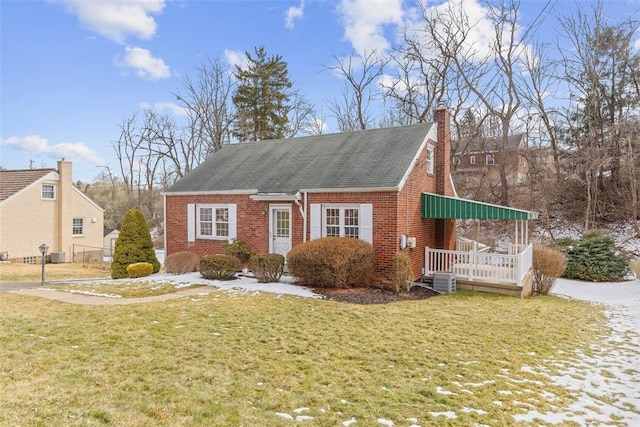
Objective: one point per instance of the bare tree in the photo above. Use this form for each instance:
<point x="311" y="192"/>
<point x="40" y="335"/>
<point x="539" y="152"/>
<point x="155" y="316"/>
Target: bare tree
<point x="490" y="72"/>
<point x="207" y="101"/>
<point x="361" y="73"/>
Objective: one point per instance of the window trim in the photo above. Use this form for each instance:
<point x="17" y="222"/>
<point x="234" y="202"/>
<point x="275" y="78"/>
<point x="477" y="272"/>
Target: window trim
<point x="490" y="160"/>
<point x="73" y="226"/>
<point x="341" y="218"/>
<point x="430" y="158"/>
<point x="472" y="160"/>
<point x="53" y="192"/>
<point x="214" y="229"/>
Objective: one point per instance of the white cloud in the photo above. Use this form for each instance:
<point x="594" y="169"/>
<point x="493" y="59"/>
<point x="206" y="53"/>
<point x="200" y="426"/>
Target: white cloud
<point x="172" y="107"/>
<point x="144" y="64"/>
<point x="235" y="58"/>
<point x="365" y="20"/>
<point x="35" y="144"/>
<point x="294" y="13"/>
<point x="116" y="19"/>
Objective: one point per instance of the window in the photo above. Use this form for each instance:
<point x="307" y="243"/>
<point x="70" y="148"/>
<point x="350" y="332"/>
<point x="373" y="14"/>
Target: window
<point x="213" y="221"/>
<point x="342" y="222"/>
<point x="78" y="227"/>
<point x="472" y="160"/>
<point x="430" y="155"/>
<point x="490" y="159"/>
<point x="48" y="191"/>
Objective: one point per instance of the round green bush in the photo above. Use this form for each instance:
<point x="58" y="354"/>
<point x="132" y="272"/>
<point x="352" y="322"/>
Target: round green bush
<point x="139" y="269"/>
<point x="133" y="245"/>
<point x="267" y="268"/>
<point x="595" y="258"/>
<point x="219" y="267"/>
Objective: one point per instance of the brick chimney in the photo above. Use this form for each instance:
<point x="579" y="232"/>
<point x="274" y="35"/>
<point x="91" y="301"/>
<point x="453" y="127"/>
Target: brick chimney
<point x="443" y="151"/>
<point x="445" y="228"/>
<point x="65" y="207"/>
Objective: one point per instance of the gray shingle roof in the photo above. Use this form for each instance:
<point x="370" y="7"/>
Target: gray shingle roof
<point x="12" y="181"/>
<point x="369" y="159"/>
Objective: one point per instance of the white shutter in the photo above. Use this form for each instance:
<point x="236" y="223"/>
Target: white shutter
<point x="316" y="221"/>
<point x="191" y="223"/>
<point x="233" y="222"/>
<point x="366" y="222"/>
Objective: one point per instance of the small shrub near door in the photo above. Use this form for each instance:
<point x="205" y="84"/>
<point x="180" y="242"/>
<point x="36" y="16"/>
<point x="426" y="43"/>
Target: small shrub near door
<point x="402" y="272"/>
<point x="139" y="269"/>
<point x="267" y="268"/>
<point x="181" y="262"/>
<point x="333" y="262"/>
<point x="238" y="249"/>
<point x="548" y="265"/>
<point x="219" y="267"/>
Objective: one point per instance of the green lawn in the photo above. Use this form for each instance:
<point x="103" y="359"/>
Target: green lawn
<point x="231" y="359"/>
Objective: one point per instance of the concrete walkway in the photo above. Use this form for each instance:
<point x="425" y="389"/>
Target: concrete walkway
<point x="97" y="300"/>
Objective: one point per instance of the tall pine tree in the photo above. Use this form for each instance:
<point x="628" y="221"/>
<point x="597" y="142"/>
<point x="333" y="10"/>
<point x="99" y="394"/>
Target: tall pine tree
<point x="262" y="98"/>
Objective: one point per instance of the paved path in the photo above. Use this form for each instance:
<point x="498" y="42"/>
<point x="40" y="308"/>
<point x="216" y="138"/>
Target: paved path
<point x="97" y="300"/>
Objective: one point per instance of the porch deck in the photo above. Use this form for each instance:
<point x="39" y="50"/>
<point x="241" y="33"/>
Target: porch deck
<point x="506" y="274"/>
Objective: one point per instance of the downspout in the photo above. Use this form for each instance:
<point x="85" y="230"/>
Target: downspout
<point x="303" y="212"/>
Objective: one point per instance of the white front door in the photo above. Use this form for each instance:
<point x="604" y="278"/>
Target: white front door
<point x="280" y="230"/>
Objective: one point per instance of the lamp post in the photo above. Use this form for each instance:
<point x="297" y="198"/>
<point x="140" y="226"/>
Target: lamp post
<point x="43" y="250"/>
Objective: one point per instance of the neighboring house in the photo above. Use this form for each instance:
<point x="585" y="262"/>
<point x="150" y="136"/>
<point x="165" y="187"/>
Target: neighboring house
<point x="42" y="206"/>
<point x="390" y="187"/>
<point x="484" y="155"/>
<point x="277" y="194"/>
<point x="109" y="242"/>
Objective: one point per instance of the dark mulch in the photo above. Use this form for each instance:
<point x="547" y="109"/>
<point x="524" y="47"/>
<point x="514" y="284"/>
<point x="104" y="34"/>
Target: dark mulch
<point x="374" y="295"/>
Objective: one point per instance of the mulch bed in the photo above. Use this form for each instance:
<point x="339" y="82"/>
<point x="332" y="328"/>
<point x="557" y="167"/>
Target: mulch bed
<point x="373" y="295"/>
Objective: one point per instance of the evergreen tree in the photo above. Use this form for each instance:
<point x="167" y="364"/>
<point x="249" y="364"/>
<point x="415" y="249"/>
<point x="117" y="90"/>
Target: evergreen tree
<point x="134" y="244"/>
<point x="262" y="98"/>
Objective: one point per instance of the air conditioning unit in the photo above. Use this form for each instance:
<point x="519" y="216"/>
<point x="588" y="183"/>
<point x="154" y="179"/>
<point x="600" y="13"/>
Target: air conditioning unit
<point x="57" y="257"/>
<point x="445" y="283"/>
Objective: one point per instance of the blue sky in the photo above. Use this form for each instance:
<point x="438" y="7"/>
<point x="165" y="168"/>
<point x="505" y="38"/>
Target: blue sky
<point x="72" y="70"/>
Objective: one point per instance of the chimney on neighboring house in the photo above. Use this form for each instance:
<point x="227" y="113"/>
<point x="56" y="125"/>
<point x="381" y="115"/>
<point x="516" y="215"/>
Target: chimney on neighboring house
<point x="65" y="207"/>
<point x="445" y="228"/>
<point x="443" y="151"/>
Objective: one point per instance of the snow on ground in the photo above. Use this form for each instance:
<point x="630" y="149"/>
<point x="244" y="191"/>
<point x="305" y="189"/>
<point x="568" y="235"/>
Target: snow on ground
<point x="607" y="382"/>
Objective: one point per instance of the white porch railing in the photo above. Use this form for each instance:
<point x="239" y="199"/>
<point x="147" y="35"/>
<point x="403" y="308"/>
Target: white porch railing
<point x="474" y="266"/>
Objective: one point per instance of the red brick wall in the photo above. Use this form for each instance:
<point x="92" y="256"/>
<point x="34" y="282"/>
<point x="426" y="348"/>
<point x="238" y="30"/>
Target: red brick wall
<point x="394" y="213"/>
<point x="253" y="225"/>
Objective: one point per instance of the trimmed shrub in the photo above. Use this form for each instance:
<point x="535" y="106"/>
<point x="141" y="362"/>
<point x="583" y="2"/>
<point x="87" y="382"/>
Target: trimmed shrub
<point x="402" y="275"/>
<point x="548" y="265"/>
<point x="139" y="269"/>
<point x="181" y="262"/>
<point x="340" y="262"/>
<point x="219" y="267"/>
<point x="133" y="245"/>
<point x="238" y="249"/>
<point x="267" y="268"/>
<point x="595" y="258"/>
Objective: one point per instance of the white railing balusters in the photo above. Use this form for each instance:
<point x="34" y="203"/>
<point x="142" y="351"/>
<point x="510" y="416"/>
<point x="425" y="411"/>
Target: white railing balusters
<point x="472" y="265"/>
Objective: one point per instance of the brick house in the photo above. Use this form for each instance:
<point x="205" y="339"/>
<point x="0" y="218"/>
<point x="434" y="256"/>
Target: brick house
<point x="277" y="194"/>
<point x="484" y="155"/>
<point x="43" y="206"/>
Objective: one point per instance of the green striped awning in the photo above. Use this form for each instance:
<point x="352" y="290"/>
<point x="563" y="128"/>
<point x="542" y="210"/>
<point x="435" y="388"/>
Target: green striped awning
<point x="436" y="206"/>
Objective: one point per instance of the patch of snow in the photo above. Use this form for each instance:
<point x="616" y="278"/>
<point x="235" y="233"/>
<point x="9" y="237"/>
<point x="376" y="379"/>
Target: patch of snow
<point x="450" y="415"/>
<point x="303" y="418"/>
<point x="300" y="410"/>
<point x="284" y="415"/>
<point x="606" y="381"/>
<point x="440" y="390"/>
<point x="348" y="422"/>
<point x="385" y="422"/>
<point x="471" y="410"/>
